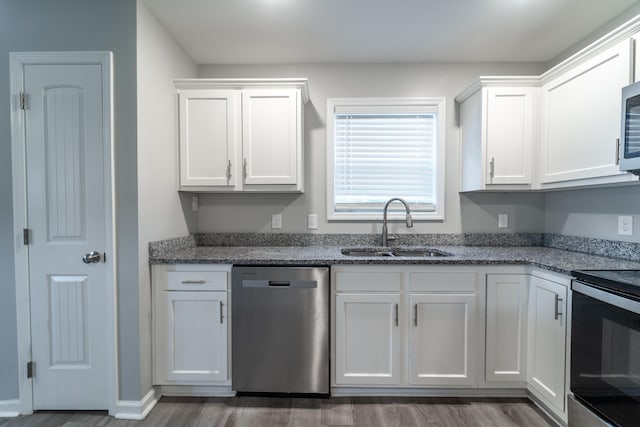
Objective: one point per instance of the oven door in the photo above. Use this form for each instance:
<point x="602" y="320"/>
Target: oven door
<point x="605" y="354"/>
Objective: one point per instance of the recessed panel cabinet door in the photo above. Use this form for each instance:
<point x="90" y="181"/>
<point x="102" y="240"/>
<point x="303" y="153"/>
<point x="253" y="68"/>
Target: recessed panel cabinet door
<point x="196" y="336"/>
<point x="271" y="126"/>
<point x="209" y="136"/>
<point x="441" y="339"/>
<point x="546" y="340"/>
<point x="367" y="339"/>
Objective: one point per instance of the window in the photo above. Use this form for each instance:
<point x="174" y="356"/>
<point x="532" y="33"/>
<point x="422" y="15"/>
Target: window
<point x="384" y="148"/>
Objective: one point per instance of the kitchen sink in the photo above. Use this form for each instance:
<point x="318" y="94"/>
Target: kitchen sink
<point x="394" y="252"/>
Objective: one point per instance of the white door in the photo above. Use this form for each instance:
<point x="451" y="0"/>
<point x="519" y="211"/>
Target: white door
<point x="65" y="148"/>
<point x="442" y="339"/>
<point x="547" y="334"/>
<point x="270" y="134"/>
<point x="209" y="137"/>
<point x="196" y="340"/>
<point x="367" y="339"/>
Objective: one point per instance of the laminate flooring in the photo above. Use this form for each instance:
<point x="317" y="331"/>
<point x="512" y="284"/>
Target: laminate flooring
<point x="335" y="411"/>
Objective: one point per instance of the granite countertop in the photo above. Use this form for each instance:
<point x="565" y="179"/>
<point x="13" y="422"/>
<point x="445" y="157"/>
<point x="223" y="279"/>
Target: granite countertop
<point x="557" y="260"/>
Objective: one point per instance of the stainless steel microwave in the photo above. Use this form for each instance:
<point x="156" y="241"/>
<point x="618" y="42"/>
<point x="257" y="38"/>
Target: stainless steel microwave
<point x="630" y="130"/>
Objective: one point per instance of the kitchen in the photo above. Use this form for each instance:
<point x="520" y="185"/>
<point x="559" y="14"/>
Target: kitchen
<point x="146" y="144"/>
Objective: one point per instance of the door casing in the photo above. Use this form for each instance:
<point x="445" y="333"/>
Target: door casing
<point x="17" y="62"/>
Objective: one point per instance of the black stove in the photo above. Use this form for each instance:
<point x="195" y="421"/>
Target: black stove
<point x="625" y="283"/>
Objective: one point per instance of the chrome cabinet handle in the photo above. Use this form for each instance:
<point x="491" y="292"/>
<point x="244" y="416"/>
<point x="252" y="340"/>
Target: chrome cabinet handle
<point x="557" y="313"/>
<point x="244" y="167"/>
<point x="193" y="282"/>
<point x="92" y="257"/>
<point x="221" y="313"/>
<point x="492" y="167"/>
<point x="229" y="170"/>
<point x="415" y="315"/>
<point x="396" y="314"/>
<point x="617" y="151"/>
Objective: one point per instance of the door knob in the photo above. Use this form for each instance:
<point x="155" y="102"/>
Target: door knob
<point x="91" y="257"/>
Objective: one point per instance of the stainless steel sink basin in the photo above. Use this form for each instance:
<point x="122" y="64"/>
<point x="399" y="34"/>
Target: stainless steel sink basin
<point x="394" y="252"/>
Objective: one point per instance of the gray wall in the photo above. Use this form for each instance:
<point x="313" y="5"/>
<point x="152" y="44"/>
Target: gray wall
<point x="472" y="213"/>
<point x="97" y="25"/>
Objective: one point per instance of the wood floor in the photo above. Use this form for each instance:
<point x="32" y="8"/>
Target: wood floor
<point x="343" y="411"/>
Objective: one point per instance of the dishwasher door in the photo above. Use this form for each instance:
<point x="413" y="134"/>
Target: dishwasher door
<point x="280" y="330"/>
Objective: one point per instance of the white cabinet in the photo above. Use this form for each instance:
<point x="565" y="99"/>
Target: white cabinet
<point x="547" y="332"/>
<point x="241" y="135"/>
<point x="406" y="326"/>
<point x="441" y="337"/>
<point x="506" y="328"/>
<point x="191" y="325"/>
<point x="497" y="118"/>
<point x="367" y="339"/>
<point x="580" y="120"/>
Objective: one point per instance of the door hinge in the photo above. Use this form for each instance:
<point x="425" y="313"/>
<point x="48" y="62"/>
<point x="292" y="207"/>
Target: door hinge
<point x="29" y="369"/>
<point x="23" y="101"/>
<point x="26" y="236"/>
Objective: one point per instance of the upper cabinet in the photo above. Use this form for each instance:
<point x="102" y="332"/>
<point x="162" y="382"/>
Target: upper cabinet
<point x="497" y="118"/>
<point x="557" y="130"/>
<point x="580" y="120"/>
<point x="241" y="134"/>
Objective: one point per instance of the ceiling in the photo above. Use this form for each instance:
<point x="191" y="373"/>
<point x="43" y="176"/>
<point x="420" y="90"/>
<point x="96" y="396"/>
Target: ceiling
<point x="372" y="31"/>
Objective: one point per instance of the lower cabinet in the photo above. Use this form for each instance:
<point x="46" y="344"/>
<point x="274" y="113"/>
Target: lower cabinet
<point x="191" y="325"/>
<point x="547" y="340"/>
<point x="412" y="326"/>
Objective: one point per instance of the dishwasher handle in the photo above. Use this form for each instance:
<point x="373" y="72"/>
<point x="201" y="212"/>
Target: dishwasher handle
<point x="252" y="283"/>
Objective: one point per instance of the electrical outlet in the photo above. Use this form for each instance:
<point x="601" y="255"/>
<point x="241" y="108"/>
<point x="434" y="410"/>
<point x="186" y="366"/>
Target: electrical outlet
<point x="276" y="221"/>
<point x="312" y="221"/>
<point x="194" y="203"/>
<point x="625" y="225"/>
<point x="503" y="221"/>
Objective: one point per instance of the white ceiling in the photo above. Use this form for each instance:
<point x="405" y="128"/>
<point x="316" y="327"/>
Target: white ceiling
<point x="344" y="31"/>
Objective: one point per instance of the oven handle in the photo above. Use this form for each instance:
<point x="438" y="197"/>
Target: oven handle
<point x="607" y="297"/>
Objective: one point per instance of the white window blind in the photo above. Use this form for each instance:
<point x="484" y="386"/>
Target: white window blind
<point x="385" y="151"/>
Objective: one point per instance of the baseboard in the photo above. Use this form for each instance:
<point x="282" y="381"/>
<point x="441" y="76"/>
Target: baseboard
<point x="199" y="391"/>
<point x="427" y="392"/>
<point x="137" y="409"/>
<point x="9" y="408"/>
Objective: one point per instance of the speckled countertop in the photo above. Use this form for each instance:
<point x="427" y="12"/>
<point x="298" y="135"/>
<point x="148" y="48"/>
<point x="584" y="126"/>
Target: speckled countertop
<point x="557" y="260"/>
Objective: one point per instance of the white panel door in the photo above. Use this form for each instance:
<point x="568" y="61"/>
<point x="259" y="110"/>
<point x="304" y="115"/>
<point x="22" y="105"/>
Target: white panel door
<point x="367" y="339"/>
<point x="209" y="137"/>
<point x="441" y="339"/>
<point x="506" y="327"/>
<point x="581" y="118"/>
<point x="270" y="134"/>
<point x="65" y="145"/>
<point x="509" y="134"/>
<point x="196" y="336"/>
<point x="546" y="340"/>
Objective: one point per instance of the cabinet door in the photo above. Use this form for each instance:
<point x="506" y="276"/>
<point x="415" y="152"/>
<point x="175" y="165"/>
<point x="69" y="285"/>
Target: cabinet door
<point x="546" y="343"/>
<point x="581" y="118"/>
<point x="209" y="132"/>
<point x="509" y="134"/>
<point x="442" y="339"/>
<point x="506" y="327"/>
<point x="196" y="336"/>
<point x="271" y="135"/>
<point x="367" y="339"/>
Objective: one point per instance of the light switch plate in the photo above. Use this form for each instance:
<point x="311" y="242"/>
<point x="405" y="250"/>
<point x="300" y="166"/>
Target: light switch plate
<point x="312" y="221"/>
<point x="625" y="225"/>
<point x="276" y="221"/>
<point x="503" y="221"/>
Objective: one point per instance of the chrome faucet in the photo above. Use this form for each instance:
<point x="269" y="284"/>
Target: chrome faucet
<point x="409" y="220"/>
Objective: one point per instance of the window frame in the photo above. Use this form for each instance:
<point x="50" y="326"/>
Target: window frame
<point x="439" y="104"/>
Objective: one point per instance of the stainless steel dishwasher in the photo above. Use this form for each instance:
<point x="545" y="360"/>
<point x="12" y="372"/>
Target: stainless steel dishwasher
<point x="280" y="330"/>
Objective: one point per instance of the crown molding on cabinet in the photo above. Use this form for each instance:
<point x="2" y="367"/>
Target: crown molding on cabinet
<point x="239" y="84"/>
<point x="498" y="81"/>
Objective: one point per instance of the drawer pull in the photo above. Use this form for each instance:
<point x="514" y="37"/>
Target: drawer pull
<point x="221" y="313"/>
<point x="396" y="315"/>
<point x="194" y="282"/>
<point x="415" y="315"/>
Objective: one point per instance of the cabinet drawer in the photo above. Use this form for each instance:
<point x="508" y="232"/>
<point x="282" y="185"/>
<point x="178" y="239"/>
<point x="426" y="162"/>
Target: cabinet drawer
<point x="368" y="281"/>
<point x="197" y="281"/>
<point x="443" y="282"/>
